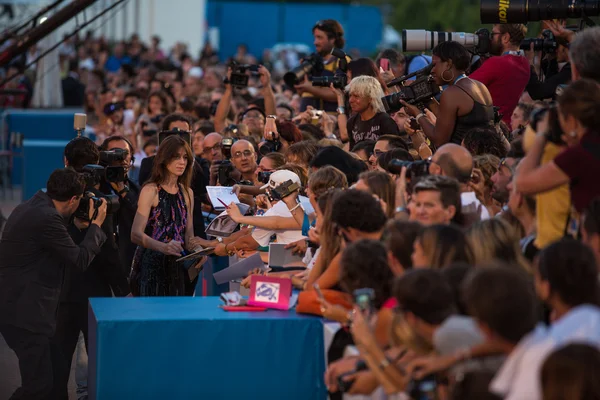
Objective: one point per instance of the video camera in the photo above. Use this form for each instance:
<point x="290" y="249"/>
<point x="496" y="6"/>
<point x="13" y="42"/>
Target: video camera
<point x="340" y="78"/>
<point x="422" y="40"/>
<point x="523" y="11"/>
<point x="282" y="191"/>
<point x="239" y="77"/>
<point x="546" y="44"/>
<point x="418" y="93"/>
<point x="311" y="65"/>
<point x="93" y="175"/>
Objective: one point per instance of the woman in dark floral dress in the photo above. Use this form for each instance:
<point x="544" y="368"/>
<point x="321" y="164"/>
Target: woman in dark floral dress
<point x="163" y="225"/>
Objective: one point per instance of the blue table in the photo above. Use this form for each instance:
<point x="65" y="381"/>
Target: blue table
<point x="188" y="348"/>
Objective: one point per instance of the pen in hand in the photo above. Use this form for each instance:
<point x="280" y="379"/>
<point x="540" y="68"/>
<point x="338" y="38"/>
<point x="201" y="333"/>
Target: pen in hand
<point x="222" y="202"/>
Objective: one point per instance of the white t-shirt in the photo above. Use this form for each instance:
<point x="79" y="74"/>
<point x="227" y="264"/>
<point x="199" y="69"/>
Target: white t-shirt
<point x="263" y="236"/>
<point x="519" y="377"/>
<point x="470" y="203"/>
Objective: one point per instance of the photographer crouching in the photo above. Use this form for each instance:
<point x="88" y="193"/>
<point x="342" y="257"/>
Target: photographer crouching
<point x="117" y="151"/>
<point x="105" y="275"/>
<point x="35" y="252"/>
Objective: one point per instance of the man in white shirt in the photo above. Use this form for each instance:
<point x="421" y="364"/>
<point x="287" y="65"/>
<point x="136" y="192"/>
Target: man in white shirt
<point x="456" y="162"/>
<point x="565" y="279"/>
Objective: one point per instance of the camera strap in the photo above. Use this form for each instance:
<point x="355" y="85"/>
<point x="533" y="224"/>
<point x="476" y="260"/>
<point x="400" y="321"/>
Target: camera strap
<point x="514" y="53"/>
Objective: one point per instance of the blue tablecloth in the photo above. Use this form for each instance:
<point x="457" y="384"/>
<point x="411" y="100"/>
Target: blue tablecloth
<point x="188" y="348"/>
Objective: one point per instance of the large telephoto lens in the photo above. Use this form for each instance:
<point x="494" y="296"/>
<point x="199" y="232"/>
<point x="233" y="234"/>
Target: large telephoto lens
<point x="522" y="11"/>
<point x="422" y="40"/>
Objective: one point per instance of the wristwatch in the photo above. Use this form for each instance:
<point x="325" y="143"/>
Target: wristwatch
<point x="341" y="110"/>
<point x="219" y="239"/>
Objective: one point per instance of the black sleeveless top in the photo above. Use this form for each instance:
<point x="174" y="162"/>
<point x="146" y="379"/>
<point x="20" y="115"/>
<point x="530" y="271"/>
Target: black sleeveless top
<point x="479" y="116"/>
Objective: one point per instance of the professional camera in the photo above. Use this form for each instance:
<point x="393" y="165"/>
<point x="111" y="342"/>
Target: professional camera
<point x="270" y="146"/>
<point x="522" y="11"/>
<point x="547" y="43"/>
<point x="311" y="65"/>
<point x="282" y="191"/>
<point x="82" y="212"/>
<point x="264" y="176"/>
<point x="554" y="133"/>
<point x="422" y="40"/>
<point x="95" y="174"/>
<point x="418" y="93"/>
<point x="108" y="157"/>
<point x="340" y="78"/>
<point x="239" y="77"/>
<point x="414" y="169"/>
<point x="225" y="166"/>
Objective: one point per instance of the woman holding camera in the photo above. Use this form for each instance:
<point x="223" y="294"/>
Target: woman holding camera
<point x="579" y="163"/>
<point x="465" y="104"/>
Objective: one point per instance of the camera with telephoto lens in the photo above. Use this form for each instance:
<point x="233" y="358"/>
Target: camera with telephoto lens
<point x="311" y="65"/>
<point x="108" y="157"/>
<point x="340" y="78"/>
<point x="225" y="166"/>
<point x="282" y="191"/>
<point x="270" y="146"/>
<point x="418" y="93"/>
<point x="264" y="176"/>
<point x="554" y="133"/>
<point x="422" y="40"/>
<point x="95" y="174"/>
<point x="414" y="169"/>
<point x="523" y="11"/>
<point x="239" y="77"/>
<point x="547" y="43"/>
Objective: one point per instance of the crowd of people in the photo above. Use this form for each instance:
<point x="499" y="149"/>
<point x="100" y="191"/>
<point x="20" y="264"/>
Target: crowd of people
<point x="470" y="224"/>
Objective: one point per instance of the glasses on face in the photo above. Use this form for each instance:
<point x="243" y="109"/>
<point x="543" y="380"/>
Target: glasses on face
<point x="377" y="153"/>
<point x="245" y="154"/>
<point x="216" y="147"/>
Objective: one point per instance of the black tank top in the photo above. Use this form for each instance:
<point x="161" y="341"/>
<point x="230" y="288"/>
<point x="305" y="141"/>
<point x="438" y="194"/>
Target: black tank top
<point x="480" y="115"/>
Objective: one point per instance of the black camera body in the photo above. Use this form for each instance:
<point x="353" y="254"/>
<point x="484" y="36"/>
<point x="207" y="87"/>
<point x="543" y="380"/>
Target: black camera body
<point x="225" y="166"/>
<point x="96" y="174"/>
<point x="340" y="78"/>
<point x="82" y="212"/>
<point x="239" y="77"/>
<point x="264" y="176"/>
<point x="420" y="92"/>
<point x="311" y="65"/>
<point x="272" y="145"/>
<point x="554" y="133"/>
<point x="414" y="169"/>
<point x="108" y="157"/>
<point x="546" y="44"/>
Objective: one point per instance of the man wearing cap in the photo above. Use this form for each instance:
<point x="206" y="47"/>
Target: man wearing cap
<point x="284" y="189"/>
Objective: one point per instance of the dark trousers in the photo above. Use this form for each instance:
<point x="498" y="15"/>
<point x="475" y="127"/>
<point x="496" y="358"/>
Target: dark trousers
<point x="72" y="318"/>
<point x="41" y="363"/>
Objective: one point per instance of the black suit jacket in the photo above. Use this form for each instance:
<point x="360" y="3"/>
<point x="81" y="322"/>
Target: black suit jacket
<point x="546" y="90"/>
<point x="104" y="273"/>
<point x="34" y="251"/>
<point x="199" y="183"/>
<point x="73" y="92"/>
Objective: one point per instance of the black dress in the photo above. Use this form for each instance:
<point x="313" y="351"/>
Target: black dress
<point x="154" y="273"/>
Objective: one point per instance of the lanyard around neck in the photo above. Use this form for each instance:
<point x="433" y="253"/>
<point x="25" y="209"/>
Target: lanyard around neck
<point x="458" y="78"/>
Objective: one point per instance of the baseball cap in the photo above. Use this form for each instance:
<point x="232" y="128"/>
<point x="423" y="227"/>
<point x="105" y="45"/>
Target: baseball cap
<point x="279" y="177"/>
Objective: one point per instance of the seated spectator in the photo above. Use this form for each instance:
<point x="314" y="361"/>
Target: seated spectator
<point x="270" y="162"/>
<point x="484" y="140"/>
<point x="495" y="239"/>
<point x="579" y="164"/>
<point x="571" y="372"/>
<point x="382" y="186"/>
<point x="484" y="167"/>
<point x="369" y="121"/>
<point x="566" y="279"/>
<point x="435" y="200"/>
<point x="590" y="232"/>
<point x="384" y="144"/>
<point x="438" y="246"/>
<point x="364" y="150"/>
<point x="456" y="162"/>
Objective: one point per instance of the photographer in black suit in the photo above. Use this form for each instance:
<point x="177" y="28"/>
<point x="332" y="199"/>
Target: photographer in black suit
<point x="128" y="192"/>
<point x="35" y="252"/>
<point x="102" y="278"/>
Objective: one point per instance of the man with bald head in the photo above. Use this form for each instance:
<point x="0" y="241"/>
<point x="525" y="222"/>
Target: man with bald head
<point x="456" y="162"/>
<point x="243" y="158"/>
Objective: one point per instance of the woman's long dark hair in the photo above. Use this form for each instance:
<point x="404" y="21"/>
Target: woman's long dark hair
<point x="366" y="66"/>
<point x="167" y="151"/>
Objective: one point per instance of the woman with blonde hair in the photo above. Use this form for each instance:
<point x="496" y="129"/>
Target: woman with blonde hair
<point x="370" y="121"/>
<point x="495" y="239"/>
